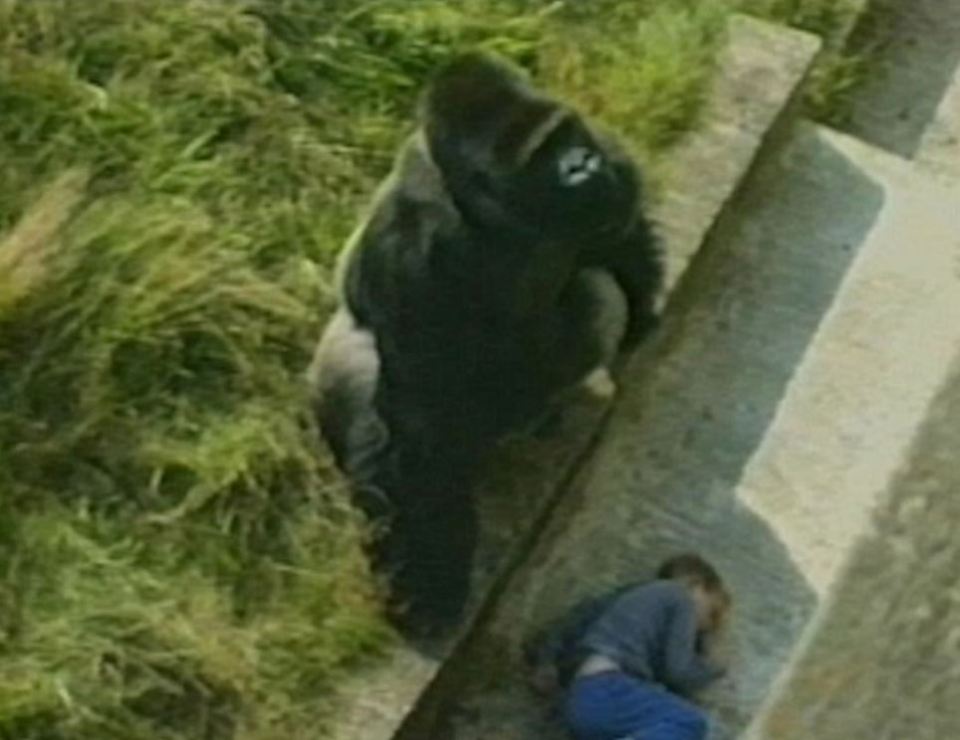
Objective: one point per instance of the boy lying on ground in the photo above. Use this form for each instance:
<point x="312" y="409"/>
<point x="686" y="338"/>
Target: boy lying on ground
<point x="629" y="661"/>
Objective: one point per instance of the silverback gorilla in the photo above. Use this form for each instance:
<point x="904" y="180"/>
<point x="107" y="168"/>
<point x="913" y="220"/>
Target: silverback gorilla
<point x="504" y="259"/>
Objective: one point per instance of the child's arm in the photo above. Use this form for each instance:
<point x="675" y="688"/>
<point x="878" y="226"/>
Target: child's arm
<point x="686" y="669"/>
<point x="547" y="652"/>
<point x="553" y="642"/>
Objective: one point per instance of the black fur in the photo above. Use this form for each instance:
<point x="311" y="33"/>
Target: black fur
<point x="473" y="289"/>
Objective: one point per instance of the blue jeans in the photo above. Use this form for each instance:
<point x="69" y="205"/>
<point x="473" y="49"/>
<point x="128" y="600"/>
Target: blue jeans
<point x="615" y="706"/>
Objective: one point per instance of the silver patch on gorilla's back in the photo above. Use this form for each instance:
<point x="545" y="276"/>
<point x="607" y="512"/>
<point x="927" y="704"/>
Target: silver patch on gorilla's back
<point x="344" y="375"/>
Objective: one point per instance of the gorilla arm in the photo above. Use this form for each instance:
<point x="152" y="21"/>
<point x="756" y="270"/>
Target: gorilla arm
<point x="634" y="256"/>
<point x="634" y="261"/>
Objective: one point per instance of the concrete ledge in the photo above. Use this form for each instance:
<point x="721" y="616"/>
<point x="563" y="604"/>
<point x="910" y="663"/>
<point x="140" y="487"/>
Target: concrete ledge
<point x="913" y="48"/>
<point x="868" y="437"/>
<point x="760" y="75"/>
<point x="940" y="146"/>
<point x="762" y="70"/>
<point x="885" y="657"/>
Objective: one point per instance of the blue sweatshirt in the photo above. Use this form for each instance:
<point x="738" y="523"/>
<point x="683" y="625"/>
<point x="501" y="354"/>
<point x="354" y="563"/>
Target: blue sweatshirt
<point x="650" y="631"/>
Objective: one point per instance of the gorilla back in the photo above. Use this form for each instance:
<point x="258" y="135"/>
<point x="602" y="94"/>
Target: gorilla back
<point x="505" y="258"/>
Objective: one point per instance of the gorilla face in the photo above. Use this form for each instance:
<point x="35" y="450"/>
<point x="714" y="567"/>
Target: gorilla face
<point x="573" y="185"/>
<point x="508" y="151"/>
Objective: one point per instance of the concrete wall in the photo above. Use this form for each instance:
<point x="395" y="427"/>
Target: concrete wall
<point x="883" y="662"/>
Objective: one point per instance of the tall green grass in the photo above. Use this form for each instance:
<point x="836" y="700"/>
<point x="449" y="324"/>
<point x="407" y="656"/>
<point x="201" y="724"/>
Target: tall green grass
<point x="178" y="558"/>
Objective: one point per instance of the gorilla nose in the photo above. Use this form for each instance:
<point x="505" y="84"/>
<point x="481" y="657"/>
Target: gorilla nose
<point x="577" y="165"/>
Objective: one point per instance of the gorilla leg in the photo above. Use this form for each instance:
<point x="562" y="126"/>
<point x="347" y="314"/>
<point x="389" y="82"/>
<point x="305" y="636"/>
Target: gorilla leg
<point x="415" y="490"/>
<point x="428" y="552"/>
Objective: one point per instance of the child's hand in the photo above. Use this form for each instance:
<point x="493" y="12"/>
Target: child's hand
<point x="713" y="645"/>
<point x="719" y="617"/>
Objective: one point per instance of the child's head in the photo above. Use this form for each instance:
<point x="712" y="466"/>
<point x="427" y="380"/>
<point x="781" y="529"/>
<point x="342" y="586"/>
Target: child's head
<point x="712" y="598"/>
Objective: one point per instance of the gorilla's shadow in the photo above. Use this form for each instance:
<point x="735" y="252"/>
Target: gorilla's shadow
<point x="695" y="406"/>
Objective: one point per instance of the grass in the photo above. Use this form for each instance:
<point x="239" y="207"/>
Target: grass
<point x="178" y="560"/>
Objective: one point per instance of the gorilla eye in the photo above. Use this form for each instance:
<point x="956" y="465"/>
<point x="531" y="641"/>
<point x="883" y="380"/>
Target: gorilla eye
<point x="577" y="165"/>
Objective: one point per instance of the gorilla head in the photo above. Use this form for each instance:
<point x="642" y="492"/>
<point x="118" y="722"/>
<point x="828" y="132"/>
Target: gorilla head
<point x="510" y="155"/>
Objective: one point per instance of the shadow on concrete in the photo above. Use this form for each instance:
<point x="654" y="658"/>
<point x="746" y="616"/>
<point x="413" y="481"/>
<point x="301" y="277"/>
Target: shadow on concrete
<point x="695" y="406"/>
<point x="913" y="49"/>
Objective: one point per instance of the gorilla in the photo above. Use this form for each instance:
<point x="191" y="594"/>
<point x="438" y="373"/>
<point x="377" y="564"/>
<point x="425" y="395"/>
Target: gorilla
<point x="505" y="259"/>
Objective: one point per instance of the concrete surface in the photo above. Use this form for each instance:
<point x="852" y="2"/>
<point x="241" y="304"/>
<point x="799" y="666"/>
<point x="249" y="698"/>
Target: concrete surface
<point x="940" y="145"/>
<point x="884" y="662"/>
<point x="764" y="430"/>
<point x="865" y="383"/>
<point x="917" y="55"/>
<point x="762" y="68"/>
<point x="758" y="80"/>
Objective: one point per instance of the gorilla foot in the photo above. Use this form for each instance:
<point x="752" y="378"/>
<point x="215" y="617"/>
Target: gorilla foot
<point x="425" y="619"/>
